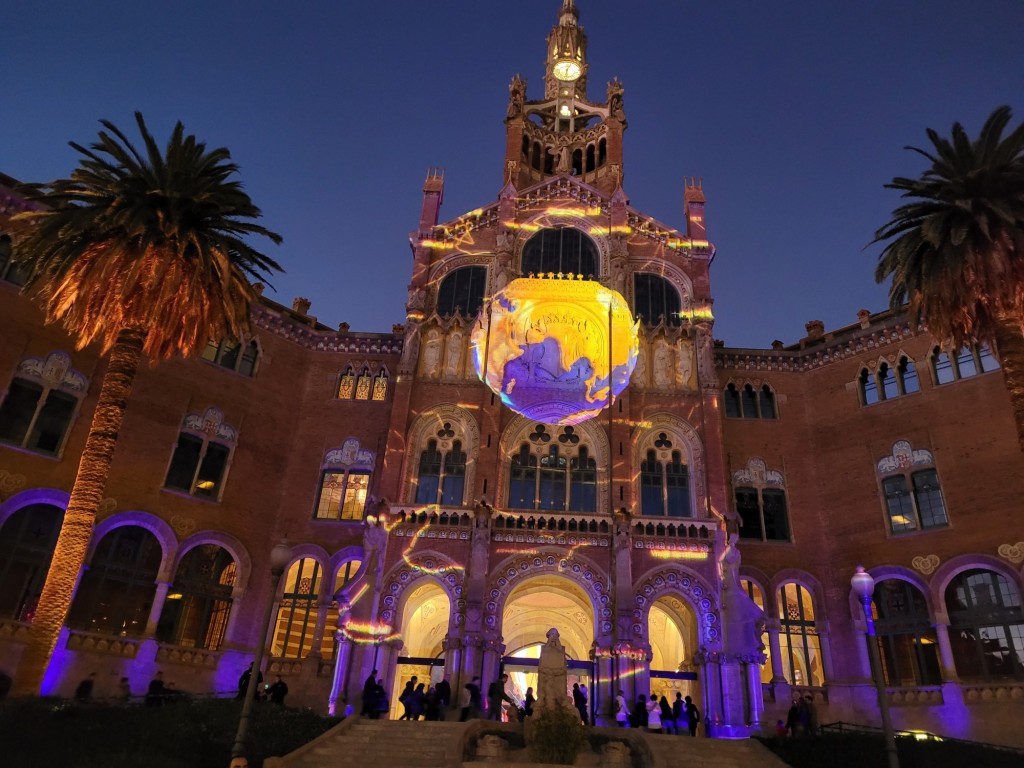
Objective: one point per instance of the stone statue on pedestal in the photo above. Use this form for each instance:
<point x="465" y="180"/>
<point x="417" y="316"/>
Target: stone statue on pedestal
<point x="552" y="677"/>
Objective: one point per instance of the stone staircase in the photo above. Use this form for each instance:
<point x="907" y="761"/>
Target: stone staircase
<point x="401" y="744"/>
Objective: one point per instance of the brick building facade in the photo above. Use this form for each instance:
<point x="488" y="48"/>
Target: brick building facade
<point x="435" y="531"/>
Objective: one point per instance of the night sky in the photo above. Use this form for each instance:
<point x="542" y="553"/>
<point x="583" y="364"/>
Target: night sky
<point x="795" y="114"/>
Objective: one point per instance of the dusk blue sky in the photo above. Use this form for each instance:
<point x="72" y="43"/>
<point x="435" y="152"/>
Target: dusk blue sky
<point x="794" y="113"/>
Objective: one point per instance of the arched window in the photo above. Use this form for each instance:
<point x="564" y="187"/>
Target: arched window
<point x="986" y="628"/>
<point x="442" y="477"/>
<point x="198" y="604"/>
<point x="296" y="617"/>
<point x="347" y="384"/>
<point x="906" y="372"/>
<point x="462" y="291"/>
<point x="906" y="638"/>
<point x="602" y="152"/>
<point x="232" y="355"/>
<point x="564" y="250"/>
<point x="655" y="298"/>
<point x="200" y="459"/>
<point x="380" y="386"/>
<point x="889" y="389"/>
<point x="27" y="540"/>
<point x="732" y="402"/>
<point x="798" y="637"/>
<point x="748" y="402"/>
<point x="968" y="361"/>
<point x="40" y="403"/>
<point x="664" y="486"/>
<point x="766" y="402"/>
<point x="582" y="483"/>
<point x="117" y="589"/>
<point x="590" y="158"/>
<point x="868" y="387"/>
<point x="522" y="479"/>
<point x="363" y="385"/>
<point x="553" y="476"/>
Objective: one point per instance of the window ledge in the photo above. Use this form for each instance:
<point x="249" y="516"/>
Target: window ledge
<point x="191" y="497"/>
<point x="28" y="451"/>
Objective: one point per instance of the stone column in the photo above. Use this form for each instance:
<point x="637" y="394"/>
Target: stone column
<point x="863" y="657"/>
<point x="778" y="670"/>
<point x="755" y="694"/>
<point x="711" y="682"/>
<point x="159" y="598"/>
<point x="472" y="656"/>
<point x="340" y="685"/>
<point x="827" y="673"/>
<point x="493" y="649"/>
<point x="947" y="664"/>
<point x="315" y="651"/>
<point x="604" y="694"/>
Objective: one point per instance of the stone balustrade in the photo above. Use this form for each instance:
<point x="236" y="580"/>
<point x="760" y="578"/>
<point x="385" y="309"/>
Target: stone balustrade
<point x="992" y="693"/>
<point x="95" y="642"/>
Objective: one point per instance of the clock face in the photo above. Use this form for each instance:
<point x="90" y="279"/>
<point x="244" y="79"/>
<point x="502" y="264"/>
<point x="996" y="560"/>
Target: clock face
<point x="566" y="71"/>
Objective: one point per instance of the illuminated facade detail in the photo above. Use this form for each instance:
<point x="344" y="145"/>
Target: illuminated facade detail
<point x="555" y="350"/>
<point x="437" y="465"/>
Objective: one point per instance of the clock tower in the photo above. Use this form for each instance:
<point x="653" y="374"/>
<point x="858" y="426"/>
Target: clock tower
<point x="565" y="133"/>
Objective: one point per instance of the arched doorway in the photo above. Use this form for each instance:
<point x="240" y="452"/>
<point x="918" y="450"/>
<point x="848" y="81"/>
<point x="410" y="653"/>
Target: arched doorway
<point x="672" y="632"/>
<point x="534" y="607"/>
<point x="424" y="627"/>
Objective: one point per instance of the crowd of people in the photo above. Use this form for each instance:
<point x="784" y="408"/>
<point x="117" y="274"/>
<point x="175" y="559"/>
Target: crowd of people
<point x="658" y="715"/>
<point x="420" y="700"/>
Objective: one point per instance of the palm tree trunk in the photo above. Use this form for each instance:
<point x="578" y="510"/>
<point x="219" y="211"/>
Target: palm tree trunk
<point x="86" y="495"/>
<point x="1010" y="346"/>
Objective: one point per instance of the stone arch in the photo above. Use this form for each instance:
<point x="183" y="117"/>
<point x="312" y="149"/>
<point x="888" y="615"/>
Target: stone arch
<point x="511" y="572"/>
<point x="762" y="581"/>
<point x="50" y="496"/>
<point x="670" y="272"/>
<point x="957" y="565"/>
<point x="884" y="572"/>
<point x="556" y="219"/>
<point x="645" y="439"/>
<point x="422" y="565"/>
<point x="424" y="427"/>
<point x="680" y="582"/>
<point x="516" y="432"/>
<point x="456" y="261"/>
<point x="237" y="550"/>
<point x="155" y="525"/>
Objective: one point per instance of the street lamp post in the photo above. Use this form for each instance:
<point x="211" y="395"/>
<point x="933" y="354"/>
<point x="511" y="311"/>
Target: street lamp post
<point x="864" y="587"/>
<point x="280" y="556"/>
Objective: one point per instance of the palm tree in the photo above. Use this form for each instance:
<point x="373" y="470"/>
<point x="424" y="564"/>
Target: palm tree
<point x="956" y="252"/>
<point x="144" y="254"/>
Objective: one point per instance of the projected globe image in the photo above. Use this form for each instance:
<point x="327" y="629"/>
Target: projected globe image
<point x="555" y="350"/>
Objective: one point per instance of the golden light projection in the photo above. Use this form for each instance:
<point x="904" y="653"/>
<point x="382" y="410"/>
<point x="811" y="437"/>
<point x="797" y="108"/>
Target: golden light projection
<point x="555" y="350"/>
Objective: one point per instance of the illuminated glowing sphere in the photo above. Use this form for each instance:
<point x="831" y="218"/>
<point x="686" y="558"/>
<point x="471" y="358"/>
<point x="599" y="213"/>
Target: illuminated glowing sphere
<point x="550" y="348"/>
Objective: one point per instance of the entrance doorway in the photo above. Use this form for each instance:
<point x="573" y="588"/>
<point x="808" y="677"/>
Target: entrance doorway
<point x="535" y="606"/>
<point x="424" y="627"/>
<point x="672" y="629"/>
